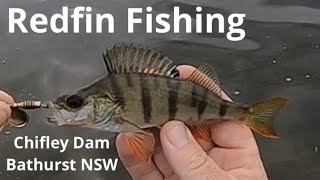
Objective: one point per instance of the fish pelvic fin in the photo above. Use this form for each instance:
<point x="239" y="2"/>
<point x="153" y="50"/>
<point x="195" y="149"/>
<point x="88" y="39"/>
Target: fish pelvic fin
<point x="261" y="116"/>
<point x="141" y="144"/>
<point x="126" y="59"/>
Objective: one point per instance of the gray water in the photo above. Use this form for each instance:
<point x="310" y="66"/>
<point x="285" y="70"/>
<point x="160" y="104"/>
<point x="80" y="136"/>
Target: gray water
<point x="279" y="57"/>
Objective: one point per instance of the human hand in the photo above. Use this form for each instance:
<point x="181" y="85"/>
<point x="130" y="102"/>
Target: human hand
<point x="232" y="154"/>
<point x="5" y="111"/>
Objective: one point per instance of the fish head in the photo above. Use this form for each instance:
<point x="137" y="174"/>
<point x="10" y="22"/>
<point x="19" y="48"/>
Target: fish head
<point x="71" y="109"/>
<point x="80" y="110"/>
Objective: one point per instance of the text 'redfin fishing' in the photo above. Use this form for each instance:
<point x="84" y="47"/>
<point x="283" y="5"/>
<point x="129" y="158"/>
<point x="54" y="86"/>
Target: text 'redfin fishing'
<point x="137" y="18"/>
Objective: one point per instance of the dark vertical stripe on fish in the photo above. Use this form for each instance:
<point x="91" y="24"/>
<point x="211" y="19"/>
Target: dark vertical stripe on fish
<point x="223" y="109"/>
<point x="203" y="103"/>
<point x="129" y="80"/>
<point x="145" y="99"/>
<point x="117" y="90"/>
<point x="156" y="83"/>
<point x="173" y="89"/>
<point x="193" y="102"/>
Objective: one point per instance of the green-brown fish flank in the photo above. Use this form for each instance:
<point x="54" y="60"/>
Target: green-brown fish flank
<point x="142" y="89"/>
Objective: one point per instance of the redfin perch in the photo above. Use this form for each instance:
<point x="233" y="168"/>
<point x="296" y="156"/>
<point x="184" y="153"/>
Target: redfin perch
<point x="142" y="89"/>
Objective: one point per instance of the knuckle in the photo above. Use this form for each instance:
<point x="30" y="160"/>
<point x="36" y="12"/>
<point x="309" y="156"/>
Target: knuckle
<point x="197" y="161"/>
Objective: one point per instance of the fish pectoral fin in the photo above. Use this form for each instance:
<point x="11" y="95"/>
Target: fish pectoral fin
<point x="200" y="131"/>
<point x="141" y="144"/>
<point x="205" y="76"/>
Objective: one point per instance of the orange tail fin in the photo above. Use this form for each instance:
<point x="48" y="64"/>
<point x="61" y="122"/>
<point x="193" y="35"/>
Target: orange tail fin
<point x="261" y="116"/>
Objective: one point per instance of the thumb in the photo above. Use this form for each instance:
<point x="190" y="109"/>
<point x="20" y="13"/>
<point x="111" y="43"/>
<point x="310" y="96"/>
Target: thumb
<point x="186" y="156"/>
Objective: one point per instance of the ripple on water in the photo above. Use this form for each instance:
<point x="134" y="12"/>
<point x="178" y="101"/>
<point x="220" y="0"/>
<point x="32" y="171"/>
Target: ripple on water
<point x="236" y="92"/>
<point x="274" y="61"/>
<point x="284" y="47"/>
<point x="7" y="132"/>
<point x="288" y="79"/>
<point x="4" y="60"/>
<point x="307" y="76"/>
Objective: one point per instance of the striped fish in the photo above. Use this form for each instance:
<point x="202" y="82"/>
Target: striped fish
<point x="142" y="89"/>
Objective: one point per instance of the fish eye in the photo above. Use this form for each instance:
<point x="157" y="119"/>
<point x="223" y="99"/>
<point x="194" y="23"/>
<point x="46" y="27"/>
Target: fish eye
<point x="74" y="101"/>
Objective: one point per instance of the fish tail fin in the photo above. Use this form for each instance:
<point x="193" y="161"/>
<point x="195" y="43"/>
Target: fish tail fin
<point x="261" y="116"/>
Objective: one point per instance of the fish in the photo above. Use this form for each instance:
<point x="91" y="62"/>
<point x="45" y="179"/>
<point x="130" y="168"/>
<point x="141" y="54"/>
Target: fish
<point x="143" y="89"/>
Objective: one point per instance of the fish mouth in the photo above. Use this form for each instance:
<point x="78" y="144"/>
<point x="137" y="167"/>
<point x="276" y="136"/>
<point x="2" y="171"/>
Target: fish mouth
<point x="57" y="117"/>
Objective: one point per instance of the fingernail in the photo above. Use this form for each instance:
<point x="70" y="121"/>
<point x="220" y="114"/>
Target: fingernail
<point x="1" y="127"/>
<point x="178" y="136"/>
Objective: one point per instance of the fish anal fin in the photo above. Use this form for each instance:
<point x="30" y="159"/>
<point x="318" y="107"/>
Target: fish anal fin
<point x="141" y="144"/>
<point x="124" y="59"/>
<point x="205" y="76"/>
<point x="200" y="131"/>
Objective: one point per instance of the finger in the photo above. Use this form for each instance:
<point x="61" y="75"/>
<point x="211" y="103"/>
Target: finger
<point x="137" y="168"/>
<point x="185" y="155"/>
<point x="232" y="159"/>
<point x="232" y="134"/>
<point x="236" y="148"/>
<point x="205" y="145"/>
<point x="186" y="70"/>
<point x="6" y="97"/>
<point x="158" y="157"/>
<point x="5" y="112"/>
<point x="163" y="165"/>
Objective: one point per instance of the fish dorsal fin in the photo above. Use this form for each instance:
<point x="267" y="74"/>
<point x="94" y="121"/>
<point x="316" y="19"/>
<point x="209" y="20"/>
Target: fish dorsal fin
<point x="205" y="76"/>
<point x="126" y="59"/>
